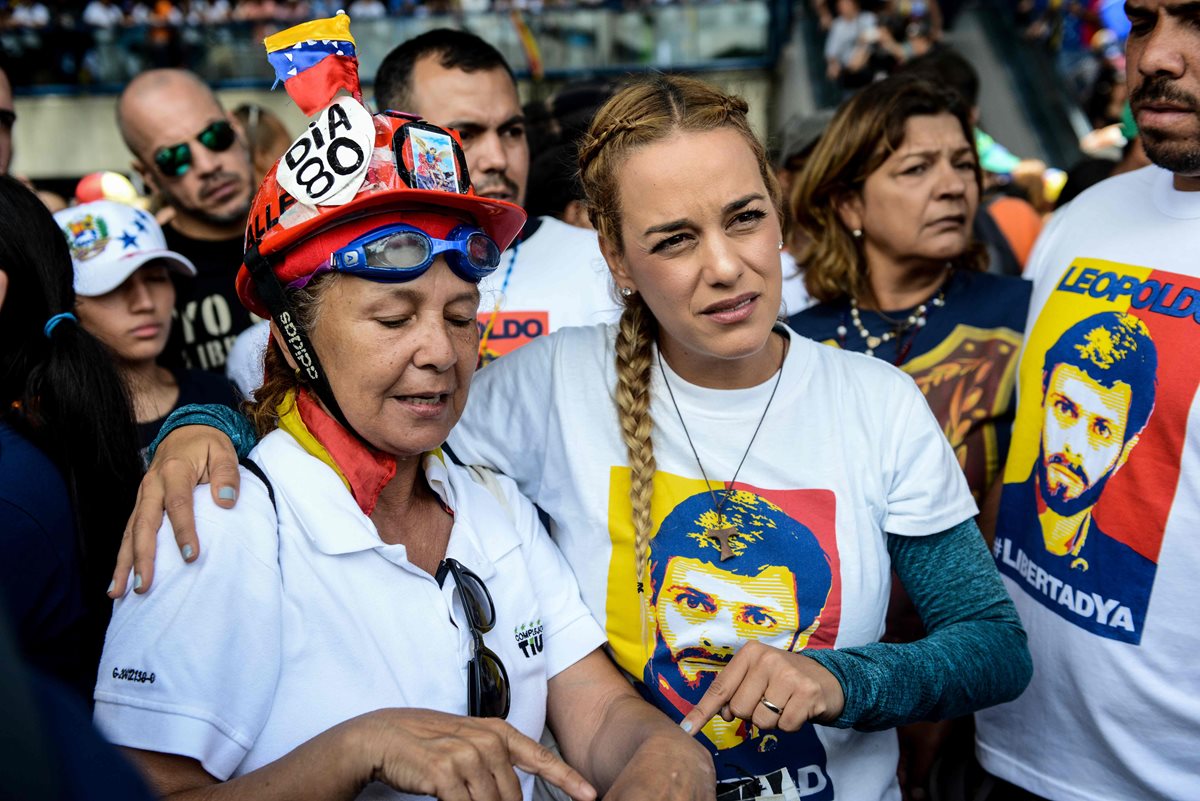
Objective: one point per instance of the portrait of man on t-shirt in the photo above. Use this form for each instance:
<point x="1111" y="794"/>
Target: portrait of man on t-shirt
<point x="772" y="586"/>
<point x="1098" y="384"/>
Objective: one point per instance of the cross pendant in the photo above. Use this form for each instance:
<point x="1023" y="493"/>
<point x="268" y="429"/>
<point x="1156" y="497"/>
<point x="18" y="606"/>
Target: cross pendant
<point x="722" y="536"/>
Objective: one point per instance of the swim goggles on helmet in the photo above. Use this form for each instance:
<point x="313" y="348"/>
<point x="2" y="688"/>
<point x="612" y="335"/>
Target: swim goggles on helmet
<point x="399" y="252"/>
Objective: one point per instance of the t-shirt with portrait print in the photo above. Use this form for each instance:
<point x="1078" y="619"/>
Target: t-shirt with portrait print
<point x="1097" y="530"/>
<point x="848" y="450"/>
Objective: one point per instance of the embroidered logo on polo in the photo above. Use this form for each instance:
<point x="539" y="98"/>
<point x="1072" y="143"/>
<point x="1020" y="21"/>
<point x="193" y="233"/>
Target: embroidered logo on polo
<point x="1108" y="378"/>
<point x="529" y="638"/>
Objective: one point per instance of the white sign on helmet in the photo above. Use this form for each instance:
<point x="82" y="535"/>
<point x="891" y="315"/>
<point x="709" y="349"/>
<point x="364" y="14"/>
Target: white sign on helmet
<point x="326" y="165"/>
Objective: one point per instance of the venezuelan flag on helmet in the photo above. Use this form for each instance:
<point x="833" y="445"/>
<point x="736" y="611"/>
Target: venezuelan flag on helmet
<point x="315" y="60"/>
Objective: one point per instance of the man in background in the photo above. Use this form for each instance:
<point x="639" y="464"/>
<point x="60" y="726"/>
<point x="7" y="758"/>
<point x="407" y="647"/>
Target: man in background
<point x="192" y="153"/>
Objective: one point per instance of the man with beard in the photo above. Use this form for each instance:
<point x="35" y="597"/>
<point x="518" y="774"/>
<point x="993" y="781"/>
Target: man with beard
<point x="1111" y="712"/>
<point x="1098" y="389"/>
<point x="771" y="586"/>
<point x="192" y="154"/>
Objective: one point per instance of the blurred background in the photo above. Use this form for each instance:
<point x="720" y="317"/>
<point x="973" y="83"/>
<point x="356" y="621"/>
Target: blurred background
<point x="1050" y="72"/>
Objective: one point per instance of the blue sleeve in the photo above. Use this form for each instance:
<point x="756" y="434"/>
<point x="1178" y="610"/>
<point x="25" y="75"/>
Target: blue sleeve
<point x="229" y="422"/>
<point x="974" y="656"/>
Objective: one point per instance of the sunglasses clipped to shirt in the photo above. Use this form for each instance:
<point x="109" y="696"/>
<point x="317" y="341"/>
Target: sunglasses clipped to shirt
<point x="399" y="252"/>
<point x="175" y="160"/>
<point x="488" y="693"/>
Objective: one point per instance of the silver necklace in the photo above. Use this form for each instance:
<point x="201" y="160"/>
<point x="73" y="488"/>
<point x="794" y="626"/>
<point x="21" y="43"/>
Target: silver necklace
<point x="722" y="532"/>
<point x="915" y="320"/>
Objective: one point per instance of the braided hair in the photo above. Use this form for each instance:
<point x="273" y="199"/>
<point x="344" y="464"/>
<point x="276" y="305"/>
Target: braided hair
<point x="643" y="113"/>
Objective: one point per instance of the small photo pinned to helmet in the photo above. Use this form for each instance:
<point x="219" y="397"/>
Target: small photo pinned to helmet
<point x="434" y="165"/>
<point x="327" y="164"/>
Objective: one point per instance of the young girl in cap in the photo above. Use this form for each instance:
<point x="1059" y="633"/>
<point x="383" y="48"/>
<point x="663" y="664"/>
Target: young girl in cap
<point x="125" y="298"/>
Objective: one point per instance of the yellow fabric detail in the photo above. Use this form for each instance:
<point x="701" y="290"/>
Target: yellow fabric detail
<point x="291" y="422"/>
<point x="336" y="28"/>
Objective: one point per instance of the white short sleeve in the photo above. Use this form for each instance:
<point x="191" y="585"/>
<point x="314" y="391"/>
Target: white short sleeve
<point x="570" y="631"/>
<point x="927" y="492"/>
<point x="190" y="667"/>
<point x="510" y="402"/>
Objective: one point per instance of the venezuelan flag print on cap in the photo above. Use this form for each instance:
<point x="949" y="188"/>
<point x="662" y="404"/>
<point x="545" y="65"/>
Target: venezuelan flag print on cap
<point x="315" y="60"/>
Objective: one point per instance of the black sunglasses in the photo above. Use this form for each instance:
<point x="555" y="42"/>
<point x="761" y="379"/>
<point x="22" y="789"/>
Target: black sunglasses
<point x="7" y="118"/>
<point x="488" y="693"/>
<point x="175" y="160"/>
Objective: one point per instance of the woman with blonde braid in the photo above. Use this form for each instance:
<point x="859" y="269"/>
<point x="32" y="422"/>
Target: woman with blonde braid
<point x="731" y="496"/>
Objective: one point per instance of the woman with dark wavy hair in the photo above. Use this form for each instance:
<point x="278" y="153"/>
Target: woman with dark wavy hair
<point x="69" y="465"/>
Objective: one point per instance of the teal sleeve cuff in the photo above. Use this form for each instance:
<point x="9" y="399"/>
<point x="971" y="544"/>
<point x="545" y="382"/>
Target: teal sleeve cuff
<point x="974" y="655"/>
<point x="229" y="422"/>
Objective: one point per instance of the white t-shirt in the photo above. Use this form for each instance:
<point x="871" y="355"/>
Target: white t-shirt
<point x="847" y="451"/>
<point x="244" y="367"/>
<point x="555" y="278"/>
<point x="1113" y="711"/>
<point x="280" y="632"/>
<point x="795" y="294"/>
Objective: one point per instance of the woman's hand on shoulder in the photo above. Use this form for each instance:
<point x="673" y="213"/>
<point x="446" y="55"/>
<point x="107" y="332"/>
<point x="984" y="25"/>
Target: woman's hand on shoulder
<point x="452" y="757"/>
<point x="760" y="680"/>
<point x="667" y="769"/>
<point x="187" y="457"/>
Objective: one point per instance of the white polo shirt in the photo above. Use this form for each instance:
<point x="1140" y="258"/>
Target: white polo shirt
<point x="279" y="632"/>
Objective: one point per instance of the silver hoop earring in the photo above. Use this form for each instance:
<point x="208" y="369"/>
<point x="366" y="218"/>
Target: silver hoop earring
<point x="626" y="292"/>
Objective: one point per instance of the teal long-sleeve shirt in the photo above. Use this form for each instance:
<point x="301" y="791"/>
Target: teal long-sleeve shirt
<point x="973" y="656"/>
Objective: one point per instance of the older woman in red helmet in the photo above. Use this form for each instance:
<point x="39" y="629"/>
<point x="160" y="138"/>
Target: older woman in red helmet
<point x="373" y="618"/>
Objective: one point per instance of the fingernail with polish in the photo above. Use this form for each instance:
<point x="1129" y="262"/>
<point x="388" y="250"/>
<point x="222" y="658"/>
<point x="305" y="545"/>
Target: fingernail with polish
<point x="686" y="726"/>
<point x="187" y="552"/>
<point x="112" y="585"/>
<point x="227" y="494"/>
<point x="137" y="581"/>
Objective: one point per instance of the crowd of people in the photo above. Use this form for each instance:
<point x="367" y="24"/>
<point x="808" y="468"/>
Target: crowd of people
<point x="467" y="449"/>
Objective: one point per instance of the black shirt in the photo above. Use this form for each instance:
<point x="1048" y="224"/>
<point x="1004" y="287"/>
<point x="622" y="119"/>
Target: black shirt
<point x="208" y="315"/>
<point x="195" y="386"/>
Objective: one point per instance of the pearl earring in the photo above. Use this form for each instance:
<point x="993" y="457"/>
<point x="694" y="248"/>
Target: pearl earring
<point x="857" y="233"/>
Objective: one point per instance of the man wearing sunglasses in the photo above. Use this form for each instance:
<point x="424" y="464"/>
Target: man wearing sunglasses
<point x="7" y="118"/>
<point x="193" y="155"/>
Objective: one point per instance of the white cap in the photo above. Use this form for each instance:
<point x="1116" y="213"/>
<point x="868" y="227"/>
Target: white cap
<point x="109" y="241"/>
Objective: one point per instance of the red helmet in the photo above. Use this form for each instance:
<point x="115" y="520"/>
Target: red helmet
<point x="344" y="171"/>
